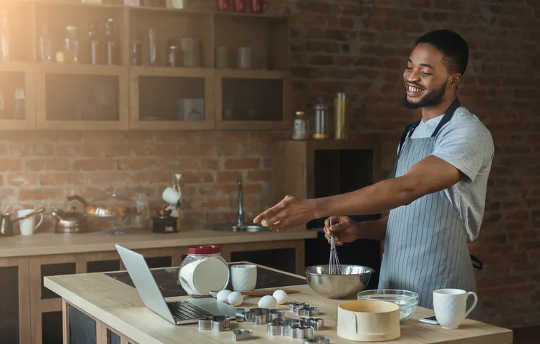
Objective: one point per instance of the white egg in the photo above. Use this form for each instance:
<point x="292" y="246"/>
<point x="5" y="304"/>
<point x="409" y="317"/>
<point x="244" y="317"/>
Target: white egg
<point x="222" y="295"/>
<point x="280" y="296"/>
<point x="266" y="301"/>
<point x="235" y="298"/>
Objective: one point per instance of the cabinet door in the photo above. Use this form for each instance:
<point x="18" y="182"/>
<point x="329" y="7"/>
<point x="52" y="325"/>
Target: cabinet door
<point x="252" y="100"/>
<point x="17" y="96"/>
<point x="163" y="98"/>
<point x="82" y="97"/>
<point x="15" y="310"/>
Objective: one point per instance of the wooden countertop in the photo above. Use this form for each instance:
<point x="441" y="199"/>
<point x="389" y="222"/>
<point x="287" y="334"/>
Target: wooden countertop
<point x="119" y="307"/>
<point x="59" y="243"/>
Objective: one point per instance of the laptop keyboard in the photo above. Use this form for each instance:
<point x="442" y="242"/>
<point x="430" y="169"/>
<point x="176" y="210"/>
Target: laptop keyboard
<point x="184" y="312"/>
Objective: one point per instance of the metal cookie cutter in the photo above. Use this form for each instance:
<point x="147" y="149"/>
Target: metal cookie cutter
<point x="274" y="329"/>
<point x="307" y="311"/>
<point x="276" y="314"/>
<point x="294" y="306"/>
<point x="317" y="340"/>
<point x="221" y="323"/>
<point x="205" y="324"/>
<point x="241" y="315"/>
<point x="316" y="323"/>
<point x="259" y="316"/>
<point x="241" y="334"/>
<point x="309" y="333"/>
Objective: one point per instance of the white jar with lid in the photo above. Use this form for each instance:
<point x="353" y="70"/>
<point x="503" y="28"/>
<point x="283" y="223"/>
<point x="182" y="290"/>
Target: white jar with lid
<point x="203" y="270"/>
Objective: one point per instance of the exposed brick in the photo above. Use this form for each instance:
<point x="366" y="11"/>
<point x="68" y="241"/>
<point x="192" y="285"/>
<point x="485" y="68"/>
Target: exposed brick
<point x="40" y="194"/>
<point x="60" y="178"/>
<point x="241" y="164"/>
<point x="228" y="176"/>
<point x="94" y="164"/>
<point x="22" y="179"/>
<point x="10" y="164"/>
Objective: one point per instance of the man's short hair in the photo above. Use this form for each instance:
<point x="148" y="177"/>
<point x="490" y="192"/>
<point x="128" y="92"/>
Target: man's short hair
<point x="452" y="45"/>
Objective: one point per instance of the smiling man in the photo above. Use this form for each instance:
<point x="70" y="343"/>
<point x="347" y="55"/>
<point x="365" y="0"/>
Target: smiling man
<point x="437" y="194"/>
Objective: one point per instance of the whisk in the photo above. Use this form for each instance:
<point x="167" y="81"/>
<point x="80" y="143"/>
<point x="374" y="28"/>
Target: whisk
<point x="334" y="266"/>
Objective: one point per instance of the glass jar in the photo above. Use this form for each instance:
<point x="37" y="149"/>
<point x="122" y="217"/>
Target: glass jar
<point x="320" y="122"/>
<point x="4" y="36"/>
<point x="71" y="44"/>
<point x="109" y="41"/>
<point x="300" y="127"/>
<point x="203" y="270"/>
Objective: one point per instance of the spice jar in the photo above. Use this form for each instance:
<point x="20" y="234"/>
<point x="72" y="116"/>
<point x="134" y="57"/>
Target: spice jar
<point x="203" y="270"/>
<point x="300" y="127"/>
<point x="340" y="116"/>
<point x="320" y="127"/>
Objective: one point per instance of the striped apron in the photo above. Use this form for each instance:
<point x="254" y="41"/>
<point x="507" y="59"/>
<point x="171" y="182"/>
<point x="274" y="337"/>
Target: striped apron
<point x="426" y="241"/>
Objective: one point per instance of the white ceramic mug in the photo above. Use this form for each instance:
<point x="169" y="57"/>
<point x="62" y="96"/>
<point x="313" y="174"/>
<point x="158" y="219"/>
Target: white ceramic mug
<point x="171" y="196"/>
<point x="450" y="306"/>
<point x="244" y="277"/>
<point x="28" y="225"/>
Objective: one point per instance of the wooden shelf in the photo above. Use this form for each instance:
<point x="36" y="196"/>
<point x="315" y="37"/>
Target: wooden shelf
<point x="265" y="33"/>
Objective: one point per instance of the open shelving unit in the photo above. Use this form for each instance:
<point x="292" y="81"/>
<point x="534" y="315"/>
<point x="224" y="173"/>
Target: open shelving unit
<point x="134" y="92"/>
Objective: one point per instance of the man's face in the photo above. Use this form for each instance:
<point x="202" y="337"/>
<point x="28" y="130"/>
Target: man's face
<point x="425" y="77"/>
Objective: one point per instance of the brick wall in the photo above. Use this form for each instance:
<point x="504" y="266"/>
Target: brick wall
<point x="359" y="46"/>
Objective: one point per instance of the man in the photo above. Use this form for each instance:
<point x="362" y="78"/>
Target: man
<point x="437" y="196"/>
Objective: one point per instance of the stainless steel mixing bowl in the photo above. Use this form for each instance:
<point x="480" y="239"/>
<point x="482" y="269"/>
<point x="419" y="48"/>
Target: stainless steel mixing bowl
<point x="353" y="278"/>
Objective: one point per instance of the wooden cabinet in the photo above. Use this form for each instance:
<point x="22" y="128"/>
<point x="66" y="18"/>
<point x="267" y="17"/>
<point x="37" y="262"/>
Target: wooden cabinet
<point x="110" y="66"/>
<point x="82" y="97"/>
<point x="15" y="299"/>
<point x="17" y="96"/>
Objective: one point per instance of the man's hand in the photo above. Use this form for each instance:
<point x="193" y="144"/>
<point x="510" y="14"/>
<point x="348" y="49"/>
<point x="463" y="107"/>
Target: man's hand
<point x="289" y="212"/>
<point x="344" y="229"/>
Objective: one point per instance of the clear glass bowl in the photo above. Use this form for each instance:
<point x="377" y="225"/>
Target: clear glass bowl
<point x="405" y="299"/>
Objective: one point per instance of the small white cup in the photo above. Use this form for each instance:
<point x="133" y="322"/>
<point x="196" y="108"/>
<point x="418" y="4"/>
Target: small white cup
<point x="450" y="306"/>
<point x="28" y="226"/>
<point x="171" y="196"/>
<point x="244" y="277"/>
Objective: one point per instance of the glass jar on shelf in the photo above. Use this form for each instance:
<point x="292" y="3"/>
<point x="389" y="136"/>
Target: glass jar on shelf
<point x="4" y="36"/>
<point x="71" y="44"/>
<point x="109" y="41"/>
<point x="203" y="270"/>
<point x="172" y="54"/>
<point x="94" y="43"/>
<point x="300" y="130"/>
<point x="19" y="102"/>
<point x="45" y="45"/>
<point x="320" y="121"/>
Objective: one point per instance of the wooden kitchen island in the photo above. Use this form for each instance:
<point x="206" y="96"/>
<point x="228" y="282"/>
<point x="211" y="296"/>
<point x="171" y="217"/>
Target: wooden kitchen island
<point x="119" y="316"/>
<point x="32" y="313"/>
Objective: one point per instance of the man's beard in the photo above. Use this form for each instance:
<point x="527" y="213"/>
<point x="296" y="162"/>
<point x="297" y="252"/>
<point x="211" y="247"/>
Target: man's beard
<point x="431" y="99"/>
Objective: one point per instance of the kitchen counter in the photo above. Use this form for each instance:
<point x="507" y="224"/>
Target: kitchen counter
<point x="115" y="305"/>
<point x="41" y="244"/>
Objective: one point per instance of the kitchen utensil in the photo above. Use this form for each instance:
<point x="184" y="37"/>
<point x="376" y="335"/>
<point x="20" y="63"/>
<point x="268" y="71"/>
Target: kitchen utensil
<point x="450" y="306"/>
<point x="68" y="222"/>
<point x="366" y="320"/>
<point x="405" y="299"/>
<point x="6" y="224"/>
<point x="334" y="266"/>
<point x="353" y="278"/>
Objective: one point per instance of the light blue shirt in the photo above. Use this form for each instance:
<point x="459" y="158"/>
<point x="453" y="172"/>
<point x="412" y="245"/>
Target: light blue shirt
<point x="467" y="144"/>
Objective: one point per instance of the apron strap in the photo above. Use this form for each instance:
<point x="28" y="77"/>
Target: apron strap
<point x="411" y="126"/>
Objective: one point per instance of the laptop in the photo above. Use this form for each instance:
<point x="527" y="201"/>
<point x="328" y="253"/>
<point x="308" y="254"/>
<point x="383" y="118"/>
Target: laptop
<point x="176" y="312"/>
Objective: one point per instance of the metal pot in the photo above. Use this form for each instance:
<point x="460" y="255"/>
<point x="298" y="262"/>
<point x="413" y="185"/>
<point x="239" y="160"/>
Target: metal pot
<point x="68" y="222"/>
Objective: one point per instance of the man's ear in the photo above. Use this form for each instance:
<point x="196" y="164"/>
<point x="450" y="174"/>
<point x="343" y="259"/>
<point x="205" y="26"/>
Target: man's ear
<point x="455" y="80"/>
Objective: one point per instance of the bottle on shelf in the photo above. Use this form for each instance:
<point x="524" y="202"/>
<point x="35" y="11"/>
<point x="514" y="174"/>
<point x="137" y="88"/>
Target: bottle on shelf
<point x="45" y="44"/>
<point x="152" y="46"/>
<point x="109" y="41"/>
<point x="71" y="44"/>
<point x="300" y="127"/>
<point x="320" y="127"/>
<point x="172" y="53"/>
<point x="4" y="36"/>
<point x="340" y="116"/>
<point x="93" y="44"/>
<point x="19" y="102"/>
